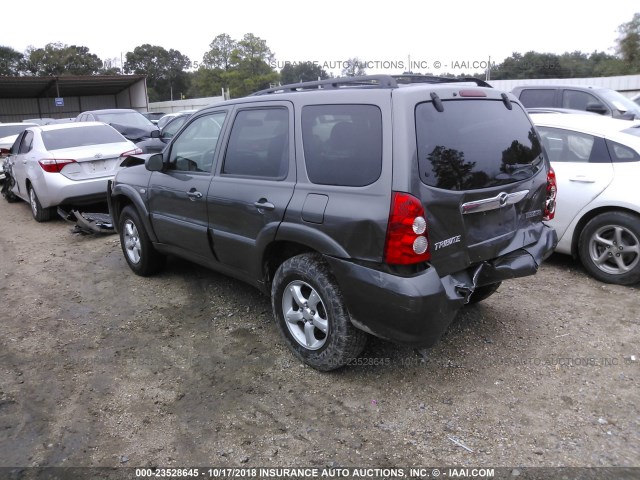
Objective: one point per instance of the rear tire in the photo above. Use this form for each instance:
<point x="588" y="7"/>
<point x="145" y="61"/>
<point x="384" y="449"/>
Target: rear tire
<point x="311" y="314"/>
<point x="39" y="214"/>
<point x="609" y="248"/>
<point x="482" y="293"/>
<point x="138" y="250"/>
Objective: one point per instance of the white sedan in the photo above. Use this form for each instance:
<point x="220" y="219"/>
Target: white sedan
<point x="64" y="164"/>
<point x="597" y="164"/>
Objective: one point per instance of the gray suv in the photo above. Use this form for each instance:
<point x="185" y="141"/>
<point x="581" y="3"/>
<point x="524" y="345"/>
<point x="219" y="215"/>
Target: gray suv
<point x="365" y="205"/>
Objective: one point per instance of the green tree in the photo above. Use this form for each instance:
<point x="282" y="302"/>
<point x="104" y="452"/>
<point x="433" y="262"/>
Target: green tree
<point x="353" y="68"/>
<point x="301" y="72"/>
<point x="165" y="70"/>
<point x="57" y="59"/>
<point x="110" y="67"/>
<point x="628" y="44"/>
<point x="530" y="65"/>
<point x="220" y="52"/>
<point x="11" y="62"/>
<point x="605" y="65"/>
<point x="207" y="82"/>
<point x="241" y="66"/>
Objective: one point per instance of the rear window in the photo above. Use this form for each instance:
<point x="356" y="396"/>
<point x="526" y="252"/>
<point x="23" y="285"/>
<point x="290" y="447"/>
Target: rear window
<point x="342" y="144"/>
<point x="133" y="119"/>
<point x="475" y="144"/>
<point x="80" y="137"/>
<point x="532" y="98"/>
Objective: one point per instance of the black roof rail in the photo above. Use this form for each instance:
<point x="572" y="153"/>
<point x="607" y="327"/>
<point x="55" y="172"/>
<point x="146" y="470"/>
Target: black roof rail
<point x="408" y="79"/>
<point x="371" y="81"/>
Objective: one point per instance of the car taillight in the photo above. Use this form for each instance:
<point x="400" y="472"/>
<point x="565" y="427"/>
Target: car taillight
<point x="552" y="193"/>
<point x="54" y="165"/>
<point x="128" y="153"/>
<point x="407" y="241"/>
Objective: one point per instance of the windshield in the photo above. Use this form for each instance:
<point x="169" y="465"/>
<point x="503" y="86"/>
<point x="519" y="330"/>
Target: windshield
<point x="620" y="102"/>
<point x="132" y="119"/>
<point x="475" y="144"/>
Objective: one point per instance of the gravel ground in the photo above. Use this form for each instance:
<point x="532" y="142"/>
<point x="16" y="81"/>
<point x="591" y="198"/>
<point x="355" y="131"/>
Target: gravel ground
<point x="99" y="367"/>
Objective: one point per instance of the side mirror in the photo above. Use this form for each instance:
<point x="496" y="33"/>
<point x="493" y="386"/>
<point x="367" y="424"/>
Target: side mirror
<point x="4" y="152"/>
<point x="155" y="163"/>
<point x="155" y="134"/>
<point x="597" y="108"/>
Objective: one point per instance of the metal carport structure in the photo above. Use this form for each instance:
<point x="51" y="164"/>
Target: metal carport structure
<point x="66" y="96"/>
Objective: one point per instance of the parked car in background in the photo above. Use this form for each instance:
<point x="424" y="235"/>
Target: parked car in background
<point x="591" y="99"/>
<point x="167" y="132"/>
<point x="167" y="118"/>
<point x="12" y="129"/>
<point x="40" y="121"/>
<point x="597" y="164"/>
<point x="130" y="123"/>
<point x="557" y="110"/>
<point x="64" y="164"/>
<point x="8" y="134"/>
<point x="360" y="205"/>
<point x="153" y="117"/>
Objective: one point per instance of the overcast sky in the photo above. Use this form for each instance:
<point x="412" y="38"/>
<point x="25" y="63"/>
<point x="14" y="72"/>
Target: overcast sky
<point x="386" y="34"/>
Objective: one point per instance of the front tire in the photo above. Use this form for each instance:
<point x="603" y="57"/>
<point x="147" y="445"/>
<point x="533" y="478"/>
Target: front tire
<point x="609" y="248"/>
<point x="138" y="250"/>
<point x="311" y="315"/>
<point x="39" y="214"/>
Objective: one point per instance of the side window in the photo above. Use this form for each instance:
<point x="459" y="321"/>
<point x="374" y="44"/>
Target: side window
<point x="342" y="144"/>
<point x="171" y="128"/>
<point x="569" y="146"/>
<point x="532" y="98"/>
<point x="259" y="144"/>
<point x="578" y="100"/>
<point x="15" y="148"/>
<point x="27" y="142"/>
<point x="622" y="153"/>
<point x="195" y="148"/>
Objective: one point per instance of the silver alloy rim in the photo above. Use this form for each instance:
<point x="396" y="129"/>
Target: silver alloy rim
<point x="132" y="241"/>
<point x="305" y="315"/>
<point x="32" y="201"/>
<point x="614" y="249"/>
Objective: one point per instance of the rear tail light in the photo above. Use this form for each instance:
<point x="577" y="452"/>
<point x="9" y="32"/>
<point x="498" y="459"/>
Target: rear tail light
<point x="552" y="193"/>
<point x="128" y="153"/>
<point x="407" y="241"/>
<point x="54" y="165"/>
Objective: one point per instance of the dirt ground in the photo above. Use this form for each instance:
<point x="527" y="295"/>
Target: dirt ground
<point x="99" y="367"/>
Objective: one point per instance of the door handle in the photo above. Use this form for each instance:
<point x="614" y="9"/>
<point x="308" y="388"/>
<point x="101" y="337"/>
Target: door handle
<point x="582" y="179"/>
<point x="194" y="195"/>
<point x="262" y="204"/>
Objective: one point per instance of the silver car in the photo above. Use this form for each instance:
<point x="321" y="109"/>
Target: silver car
<point x="8" y="134"/>
<point x="65" y="164"/>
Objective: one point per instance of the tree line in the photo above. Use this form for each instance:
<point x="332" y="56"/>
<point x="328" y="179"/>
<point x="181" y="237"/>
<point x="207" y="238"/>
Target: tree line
<point x="247" y="65"/>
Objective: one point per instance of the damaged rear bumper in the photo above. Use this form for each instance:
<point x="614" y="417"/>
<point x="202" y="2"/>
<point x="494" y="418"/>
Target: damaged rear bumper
<point x="417" y="310"/>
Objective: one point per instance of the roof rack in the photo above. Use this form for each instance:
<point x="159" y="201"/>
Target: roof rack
<point x="368" y="81"/>
<point x="371" y="81"/>
<point x="408" y="79"/>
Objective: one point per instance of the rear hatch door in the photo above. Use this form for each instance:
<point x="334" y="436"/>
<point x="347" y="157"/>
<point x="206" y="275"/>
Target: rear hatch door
<point x="483" y="176"/>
